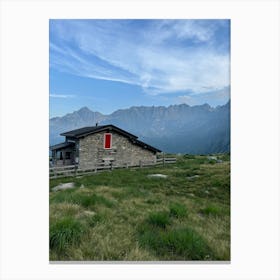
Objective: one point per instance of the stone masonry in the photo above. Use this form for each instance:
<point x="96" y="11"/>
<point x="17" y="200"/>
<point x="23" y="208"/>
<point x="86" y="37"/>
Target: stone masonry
<point x="122" y="153"/>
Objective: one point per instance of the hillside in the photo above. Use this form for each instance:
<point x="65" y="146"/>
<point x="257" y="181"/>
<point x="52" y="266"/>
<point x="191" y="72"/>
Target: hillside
<point x="129" y="215"/>
<point x="174" y="129"/>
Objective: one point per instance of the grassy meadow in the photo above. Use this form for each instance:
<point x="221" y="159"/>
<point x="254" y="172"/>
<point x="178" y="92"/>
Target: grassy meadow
<point x="125" y="215"/>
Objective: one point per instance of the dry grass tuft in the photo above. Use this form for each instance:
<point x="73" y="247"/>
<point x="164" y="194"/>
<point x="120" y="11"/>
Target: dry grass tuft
<point x="124" y="216"/>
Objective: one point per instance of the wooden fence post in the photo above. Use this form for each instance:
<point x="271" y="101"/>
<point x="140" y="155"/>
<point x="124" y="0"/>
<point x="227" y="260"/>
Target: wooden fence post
<point x="76" y="169"/>
<point x="163" y="159"/>
<point x="140" y="163"/>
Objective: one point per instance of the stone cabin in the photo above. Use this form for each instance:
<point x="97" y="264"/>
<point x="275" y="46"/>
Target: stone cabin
<point x="102" y="145"/>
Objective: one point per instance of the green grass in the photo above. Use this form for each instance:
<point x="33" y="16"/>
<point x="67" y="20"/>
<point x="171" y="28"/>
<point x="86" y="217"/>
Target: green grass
<point x="86" y="200"/>
<point x="213" y="210"/>
<point x="159" y="219"/>
<point x="153" y="201"/>
<point x="125" y="215"/>
<point x="178" y="210"/>
<point x="65" y="232"/>
<point x="180" y="243"/>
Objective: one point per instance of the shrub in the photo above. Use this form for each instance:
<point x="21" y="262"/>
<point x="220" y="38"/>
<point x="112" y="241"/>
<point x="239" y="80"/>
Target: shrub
<point x="187" y="156"/>
<point x="211" y="210"/>
<point x="85" y="200"/>
<point x="159" y="219"/>
<point x="94" y="219"/>
<point x="102" y="200"/>
<point x="65" y="232"/>
<point x="225" y="157"/>
<point x="178" y="210"/>
<point x="153" y="201"/>
<point x="201" y="160"/>
<point x="216" y="183"/>
<point x="176" y="244"/>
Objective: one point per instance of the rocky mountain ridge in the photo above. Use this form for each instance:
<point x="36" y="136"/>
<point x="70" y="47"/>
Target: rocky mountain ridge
<point x="180" y="128"/>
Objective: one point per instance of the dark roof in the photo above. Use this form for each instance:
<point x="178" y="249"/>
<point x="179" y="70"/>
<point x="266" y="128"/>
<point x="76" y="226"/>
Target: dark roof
<point x="145" y="146"/>
<point x="62" y="145"/>
<point x="84" y="131"/>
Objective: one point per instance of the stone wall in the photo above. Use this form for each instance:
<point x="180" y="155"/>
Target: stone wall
<point x="123" y="151"/>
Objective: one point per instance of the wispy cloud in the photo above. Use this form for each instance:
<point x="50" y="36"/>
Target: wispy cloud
<point x="62" y="95"/>
<point x="161" y="56"/>
<point x="212" y="97"/>
<point x="186" y="99"/>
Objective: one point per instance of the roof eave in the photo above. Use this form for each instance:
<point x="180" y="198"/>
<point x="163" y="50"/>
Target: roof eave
<point x="110" y="127"/>
<point x="145" y="146"/>
<point x="62" y="145"/>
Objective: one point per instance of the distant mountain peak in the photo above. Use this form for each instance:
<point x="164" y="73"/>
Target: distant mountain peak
<point x="84" y="109"/>
<point x="176" y="128"/>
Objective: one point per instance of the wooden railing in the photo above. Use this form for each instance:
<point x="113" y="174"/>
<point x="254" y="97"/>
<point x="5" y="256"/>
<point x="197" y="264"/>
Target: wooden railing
<point x="165" y="160"/>
<point x="73" y="170"/>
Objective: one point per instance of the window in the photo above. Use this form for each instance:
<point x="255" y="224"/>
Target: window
<point x="107" y="141"/>
<point x="68" y="155"/>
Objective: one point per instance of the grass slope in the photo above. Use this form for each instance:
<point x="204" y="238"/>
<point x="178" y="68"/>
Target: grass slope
<point x="124" y="215"/>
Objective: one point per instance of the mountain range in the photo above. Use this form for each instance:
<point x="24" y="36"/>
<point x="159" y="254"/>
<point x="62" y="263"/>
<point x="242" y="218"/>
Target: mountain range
<point x="180" y="128"/>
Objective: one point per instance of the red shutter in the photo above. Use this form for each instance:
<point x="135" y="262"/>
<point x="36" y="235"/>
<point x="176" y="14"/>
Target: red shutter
<point x="107" y="140"/>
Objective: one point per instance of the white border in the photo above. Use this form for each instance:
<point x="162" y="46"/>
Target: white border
<point x="255" y="137"/>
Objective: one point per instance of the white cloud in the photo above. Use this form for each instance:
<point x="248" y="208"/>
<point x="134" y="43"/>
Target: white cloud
<point x="213" y="97"/>
<point x="62" y="95"/>
<point x="185" y="99"/>
<point x="189" y="29"/>
<point x="108" y="50"/>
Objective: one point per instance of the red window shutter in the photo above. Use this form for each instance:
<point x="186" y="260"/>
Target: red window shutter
<point x="107" y="140"/>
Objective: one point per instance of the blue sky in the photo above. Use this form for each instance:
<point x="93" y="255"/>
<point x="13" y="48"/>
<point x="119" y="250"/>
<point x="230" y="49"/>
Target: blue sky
<point x="114" y="64"/>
